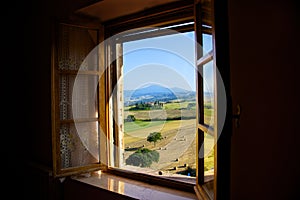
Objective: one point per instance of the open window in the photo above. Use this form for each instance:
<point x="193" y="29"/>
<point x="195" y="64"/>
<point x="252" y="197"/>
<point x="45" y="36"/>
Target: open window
<point x="161" y="86"/>
<point x="137" y="97"/>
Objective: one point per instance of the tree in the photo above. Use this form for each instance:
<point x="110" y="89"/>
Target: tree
<point x="143" y="158"/>
<point x="191" y="106"/>
<point x="154" y="137"/>
<point x="130" y="118"/>
<point x="189" y="172"/>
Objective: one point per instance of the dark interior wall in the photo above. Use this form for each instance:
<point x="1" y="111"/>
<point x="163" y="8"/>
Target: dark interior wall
<point x="264" y="76"/>
<point x="38" y="40"/>
<point x="37" y="37"/>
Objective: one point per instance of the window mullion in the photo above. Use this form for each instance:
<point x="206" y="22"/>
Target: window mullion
<point x="205" y="59"/>
<point x="199" y="92"/>
<point x="207" y="129"/>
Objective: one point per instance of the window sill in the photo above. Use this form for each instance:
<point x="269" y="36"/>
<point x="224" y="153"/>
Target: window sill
<point x="132" y="188"/>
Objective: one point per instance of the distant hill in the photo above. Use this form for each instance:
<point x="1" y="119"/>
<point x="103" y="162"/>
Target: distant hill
<point x="151" y="90"/>
<point x="155" y="92"/>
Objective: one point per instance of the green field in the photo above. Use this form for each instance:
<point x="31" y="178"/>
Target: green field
<point x="138" y="124"/>
<point x="170" y="111"/>
<point x="137" y="136"/>
<point x="178" y="105"/>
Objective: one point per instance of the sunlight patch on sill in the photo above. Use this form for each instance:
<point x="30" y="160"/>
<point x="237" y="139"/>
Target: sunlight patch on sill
<point x="132" y="188"/>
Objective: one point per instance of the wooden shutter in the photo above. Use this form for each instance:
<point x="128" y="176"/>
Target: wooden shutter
<point x="76" y="99"/>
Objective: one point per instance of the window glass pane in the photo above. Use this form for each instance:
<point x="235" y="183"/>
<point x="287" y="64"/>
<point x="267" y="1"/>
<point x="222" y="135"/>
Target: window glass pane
<point x="208" y="88"/>
<point x="79" y="144"/>
<point x="208" y="154"/>
<point x="83" y="90"/>
<point x="85" y="97"/>
<point x="74" y="45"/>
<point x="66" y="83"/>
<point x="207" y="43"/>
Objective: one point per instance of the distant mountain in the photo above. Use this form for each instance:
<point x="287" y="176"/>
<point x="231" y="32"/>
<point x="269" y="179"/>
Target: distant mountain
<point x="155" y="92"/>
<point x="151" y="90"/>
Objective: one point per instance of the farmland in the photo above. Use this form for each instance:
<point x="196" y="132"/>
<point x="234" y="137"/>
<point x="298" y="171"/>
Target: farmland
<point x="176" y="122"/>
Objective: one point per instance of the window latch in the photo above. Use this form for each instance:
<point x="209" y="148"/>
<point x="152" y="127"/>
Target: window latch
<point x="236" y="116"/>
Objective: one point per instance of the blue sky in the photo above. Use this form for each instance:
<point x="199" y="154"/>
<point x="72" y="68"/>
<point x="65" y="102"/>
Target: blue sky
<point x="167" y="60"/>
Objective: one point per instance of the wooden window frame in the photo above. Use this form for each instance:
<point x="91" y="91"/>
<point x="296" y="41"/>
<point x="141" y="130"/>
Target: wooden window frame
<point x="58" y="170"/>
<point x="163" y="16"/>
